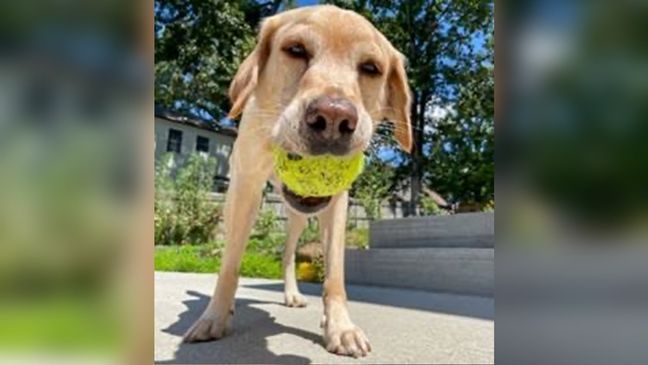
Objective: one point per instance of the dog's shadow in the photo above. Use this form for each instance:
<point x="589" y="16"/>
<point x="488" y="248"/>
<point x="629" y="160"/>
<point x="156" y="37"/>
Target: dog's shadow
<point x="247" y="344"/>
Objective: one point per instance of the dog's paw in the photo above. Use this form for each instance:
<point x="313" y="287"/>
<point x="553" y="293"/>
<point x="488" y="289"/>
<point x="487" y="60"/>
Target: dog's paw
<point x="295" y="300"/>
<point x="348" y="340"/>
<point x="207" y="327"/>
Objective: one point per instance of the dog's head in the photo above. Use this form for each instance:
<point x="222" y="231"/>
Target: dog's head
<point x="325" y="78"/>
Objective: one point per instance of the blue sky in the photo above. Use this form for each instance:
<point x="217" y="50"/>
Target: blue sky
<point x="307" y="2"/>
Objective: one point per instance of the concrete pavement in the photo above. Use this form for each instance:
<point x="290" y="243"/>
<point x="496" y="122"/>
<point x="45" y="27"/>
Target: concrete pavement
<point x="404" y="326"/>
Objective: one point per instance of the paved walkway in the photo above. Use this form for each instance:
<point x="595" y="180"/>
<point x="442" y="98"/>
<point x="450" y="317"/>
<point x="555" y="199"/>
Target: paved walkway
<point x="403" y="326"/>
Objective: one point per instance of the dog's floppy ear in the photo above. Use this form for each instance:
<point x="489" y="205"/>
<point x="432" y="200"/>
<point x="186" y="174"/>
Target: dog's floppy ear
<point x="246" y="77"/>
<point x="398" y="102"/>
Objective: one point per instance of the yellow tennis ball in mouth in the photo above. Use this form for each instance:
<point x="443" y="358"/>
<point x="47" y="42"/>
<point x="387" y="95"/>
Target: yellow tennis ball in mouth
<point x="317" y="176"/>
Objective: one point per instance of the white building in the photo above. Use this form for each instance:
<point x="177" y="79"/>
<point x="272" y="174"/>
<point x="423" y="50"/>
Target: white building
<point x="182" y="136"/>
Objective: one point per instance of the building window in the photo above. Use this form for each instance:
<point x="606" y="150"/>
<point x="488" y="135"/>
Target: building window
<point x="175" y="140"/>
<point x="202" y="144"/>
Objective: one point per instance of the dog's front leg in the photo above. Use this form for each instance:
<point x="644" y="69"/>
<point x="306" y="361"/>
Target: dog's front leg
<point x="250" y="170"/>
<point x="295" y="224"/>
<point x="341" y="336"/>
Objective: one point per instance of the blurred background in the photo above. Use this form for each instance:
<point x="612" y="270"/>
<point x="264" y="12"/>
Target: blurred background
<point x="571" y="179"/>
<point x="75" y="77"/>
<point x="573" y="128"/>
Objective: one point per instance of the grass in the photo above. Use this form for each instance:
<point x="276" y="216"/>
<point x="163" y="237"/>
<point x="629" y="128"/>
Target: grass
<point x="262" y="258"/>
<point x="205" y="258"/>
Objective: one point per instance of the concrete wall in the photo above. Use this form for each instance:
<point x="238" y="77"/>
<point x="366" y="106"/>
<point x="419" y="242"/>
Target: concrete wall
<point x="458" y="230"/>
<point x="440" y="253"/>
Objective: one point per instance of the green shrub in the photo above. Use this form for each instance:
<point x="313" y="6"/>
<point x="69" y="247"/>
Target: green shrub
<point x="373" y="186"/>
<point x="266" y="224"/>
<point x="311" y="232"/>
<point x="268" y="234"/>
<point x="358" y="237"/>
<point x="429" y="206"/>
<point x="183" y="212"/>
<point x="320" y="269"/>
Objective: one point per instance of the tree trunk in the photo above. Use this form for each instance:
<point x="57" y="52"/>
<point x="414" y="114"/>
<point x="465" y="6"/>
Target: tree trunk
<point x="415" y="177"/>
<point x="415" y="189"/>
<point x="418" y="125"/>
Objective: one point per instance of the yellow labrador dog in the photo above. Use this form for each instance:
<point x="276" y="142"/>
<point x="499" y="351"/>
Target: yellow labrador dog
<point x="319" y="81"/>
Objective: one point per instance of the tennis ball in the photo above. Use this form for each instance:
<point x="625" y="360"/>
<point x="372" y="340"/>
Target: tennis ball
<point x="306" y="271"/>
<point x="317" y="176"/>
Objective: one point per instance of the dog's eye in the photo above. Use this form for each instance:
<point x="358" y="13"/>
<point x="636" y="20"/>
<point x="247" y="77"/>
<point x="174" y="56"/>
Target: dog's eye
<point x="296" y="51"/>
<point x="369" y="68"/>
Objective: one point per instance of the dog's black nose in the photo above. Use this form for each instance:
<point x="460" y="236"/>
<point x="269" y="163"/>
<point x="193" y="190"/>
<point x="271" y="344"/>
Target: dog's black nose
<point x="331" y="118"/>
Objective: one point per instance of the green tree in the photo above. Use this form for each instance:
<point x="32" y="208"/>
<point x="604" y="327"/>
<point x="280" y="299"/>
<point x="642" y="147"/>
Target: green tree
<point x="199" y="45"/>
<point x="448" y="44"/>
<point x="373" y="186"/>
<point x="461" y="162"/>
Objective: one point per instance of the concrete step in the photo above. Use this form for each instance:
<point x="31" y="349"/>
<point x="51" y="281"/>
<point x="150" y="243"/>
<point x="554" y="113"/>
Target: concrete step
<point x="459" y="230"/>
<point x="456" y="270"/>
